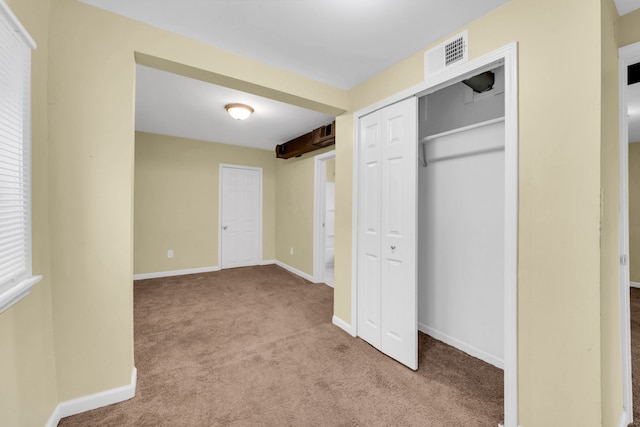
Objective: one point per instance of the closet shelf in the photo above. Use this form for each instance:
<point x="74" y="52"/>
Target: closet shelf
<point x="423" y="141"/>
<point x="462" y="129"/>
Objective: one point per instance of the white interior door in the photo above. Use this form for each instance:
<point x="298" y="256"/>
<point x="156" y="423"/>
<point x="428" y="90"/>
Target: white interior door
<point x="387" y="277"/>
<point x="369" y="235"/>
<point x="240" y="216"/>
<point x="329" y="232"/>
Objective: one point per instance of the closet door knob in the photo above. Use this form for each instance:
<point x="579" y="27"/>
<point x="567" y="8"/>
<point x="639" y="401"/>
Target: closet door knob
<point x="393" y="248"/>
<point x="224" y="228"/>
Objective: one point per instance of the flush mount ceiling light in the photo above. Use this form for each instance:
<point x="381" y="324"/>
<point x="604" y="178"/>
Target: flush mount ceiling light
<point x="238" y="111"/>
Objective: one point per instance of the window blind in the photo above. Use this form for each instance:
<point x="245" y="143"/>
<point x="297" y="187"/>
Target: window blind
<point x="15" y="153"/>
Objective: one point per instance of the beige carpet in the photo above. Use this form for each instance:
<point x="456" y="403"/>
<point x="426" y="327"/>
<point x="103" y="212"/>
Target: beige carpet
<point x="635" y="353"/>
<point x="255" y="347"/>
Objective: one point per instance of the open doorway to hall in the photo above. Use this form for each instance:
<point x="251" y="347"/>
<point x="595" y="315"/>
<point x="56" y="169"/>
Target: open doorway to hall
<point x="205" y="182"/>
<point x="324" y="218"/>
<point x="633" y="128"/>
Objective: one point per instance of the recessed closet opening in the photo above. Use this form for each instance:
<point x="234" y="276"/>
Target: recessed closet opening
<point x="436" y="228"/>
<point x="461" y="215"/>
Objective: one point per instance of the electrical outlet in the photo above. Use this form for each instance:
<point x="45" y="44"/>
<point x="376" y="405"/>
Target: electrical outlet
<point x="170" y="253"/>
<point x="291" y="251"/>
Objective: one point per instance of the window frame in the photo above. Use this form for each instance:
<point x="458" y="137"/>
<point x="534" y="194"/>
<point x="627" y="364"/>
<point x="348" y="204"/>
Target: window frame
<point x="19" y="286"/>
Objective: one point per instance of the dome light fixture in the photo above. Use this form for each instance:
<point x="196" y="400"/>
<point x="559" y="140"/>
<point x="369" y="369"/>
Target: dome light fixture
<point x="238" y="111"/>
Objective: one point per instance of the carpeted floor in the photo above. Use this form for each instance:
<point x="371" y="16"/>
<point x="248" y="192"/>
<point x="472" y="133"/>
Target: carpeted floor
<point x="255" y="346"/>
<point x="635" y="353"/>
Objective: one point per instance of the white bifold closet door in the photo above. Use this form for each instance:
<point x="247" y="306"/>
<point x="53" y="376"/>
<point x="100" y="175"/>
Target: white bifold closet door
<point x="386" y="271"/>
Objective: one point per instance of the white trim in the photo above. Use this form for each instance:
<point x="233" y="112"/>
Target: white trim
<point x="18" y="27"/>
<point x="354" y="224"/>
<point x="296" y="271"/>
<point x="94" y="401"/>
<point x="267" y="262"/>
<point x="319" y="179"/>
<point x="461" y="345"/>
<point x="623" y="421"/>
<point x="507" y="56"/>
<point x="55" y="418"/>
<point x="511" y="237"/>
<point x="627" y="55"/>
<point x="344" y="326"/>
<point x="175" y="273"/>
<point x="17" y="292"/>
<point x="260" y="225"/>
<point x="634" y="284"/>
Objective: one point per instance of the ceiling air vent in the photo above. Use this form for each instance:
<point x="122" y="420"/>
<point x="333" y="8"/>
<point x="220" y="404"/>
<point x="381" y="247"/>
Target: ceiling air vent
<point x="448" y="54"/>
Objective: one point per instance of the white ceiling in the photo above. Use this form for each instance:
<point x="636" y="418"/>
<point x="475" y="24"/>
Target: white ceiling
<point x="339" y="42"/>
<point x="626" y="6"/>
<point x="170" y="104"/>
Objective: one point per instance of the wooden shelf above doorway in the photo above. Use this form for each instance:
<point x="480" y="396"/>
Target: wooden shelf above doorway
<point x="321" y="137"/>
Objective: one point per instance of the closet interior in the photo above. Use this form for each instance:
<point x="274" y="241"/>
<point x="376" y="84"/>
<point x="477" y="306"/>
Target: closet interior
<point x="461" y="214"/>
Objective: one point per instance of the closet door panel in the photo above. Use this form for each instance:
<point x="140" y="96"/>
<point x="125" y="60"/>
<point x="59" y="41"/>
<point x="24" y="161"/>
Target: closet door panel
<point x="369" y="230"/>
<point x="399" y="278"/>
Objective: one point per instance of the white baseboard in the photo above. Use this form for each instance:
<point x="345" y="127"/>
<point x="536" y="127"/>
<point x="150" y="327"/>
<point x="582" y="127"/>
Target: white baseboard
<point x="624" y="420"/>
<point x="55" y="418"/>
<point x="94" y="401"/>
<point x="634" y="284"/>
<point x="267" y="262"/>
<point x="460" y="345"/>
<point x="175" y="273"/>
<point x="344" y="325"/>
<point x="295" y="271"/>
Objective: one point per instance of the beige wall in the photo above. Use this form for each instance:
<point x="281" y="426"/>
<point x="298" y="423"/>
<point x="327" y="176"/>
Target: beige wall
<point x="28" y="392"/>
<point x="91" y="160"/>
<point x="176" y="200"/>
<point x="559" y="253"/>
<point x="634" y="211"/>
<point x="343" y="230"/>
<point x="629" y="28"/>
<point x="294" y="210"/>
<point x="331" y="170"/>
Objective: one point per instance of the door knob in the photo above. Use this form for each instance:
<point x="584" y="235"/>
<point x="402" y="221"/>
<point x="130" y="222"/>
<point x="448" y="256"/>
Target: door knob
<point x="224" y="228"/>
<point x="393" y="248"/>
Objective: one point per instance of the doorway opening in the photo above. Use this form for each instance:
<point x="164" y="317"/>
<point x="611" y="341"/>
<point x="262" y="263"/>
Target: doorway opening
<point x="629" y="238"/>
<point x="324" y="218"/>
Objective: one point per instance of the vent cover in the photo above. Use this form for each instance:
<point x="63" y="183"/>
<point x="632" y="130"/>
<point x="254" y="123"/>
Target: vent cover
<point x="448" y="54"/>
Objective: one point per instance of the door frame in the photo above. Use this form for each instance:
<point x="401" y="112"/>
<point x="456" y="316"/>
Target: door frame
<point x="627" y="55"/>
<point x="320" y="172"/>
<point x="508" y="57"/>
<point x="221" y="166"/>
